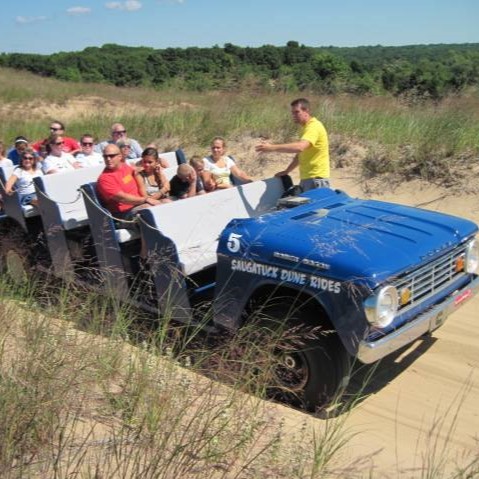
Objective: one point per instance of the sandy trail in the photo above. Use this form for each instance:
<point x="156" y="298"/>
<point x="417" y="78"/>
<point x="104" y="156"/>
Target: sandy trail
<point x="422" y="404"/>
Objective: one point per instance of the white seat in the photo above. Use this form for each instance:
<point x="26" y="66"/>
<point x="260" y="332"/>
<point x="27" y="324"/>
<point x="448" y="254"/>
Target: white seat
<point x="195" y="224"/>
<point x="62" y="190"/>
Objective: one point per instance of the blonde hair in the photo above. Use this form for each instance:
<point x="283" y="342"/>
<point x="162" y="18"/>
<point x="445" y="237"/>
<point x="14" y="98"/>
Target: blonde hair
<point x="196" y="160"/>
<point x="184" y="170"/>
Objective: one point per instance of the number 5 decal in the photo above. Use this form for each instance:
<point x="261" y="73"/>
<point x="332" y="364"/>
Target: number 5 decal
<point x="233" y="243"/>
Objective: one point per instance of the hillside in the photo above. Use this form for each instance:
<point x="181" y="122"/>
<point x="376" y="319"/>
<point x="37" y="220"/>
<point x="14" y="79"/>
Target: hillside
<point x="432" y="71"/>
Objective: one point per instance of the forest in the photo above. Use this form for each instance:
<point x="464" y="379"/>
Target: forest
<point x="425" y="71"/>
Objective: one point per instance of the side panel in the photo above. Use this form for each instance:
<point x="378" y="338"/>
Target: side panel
<point x="167" y="274"/>
<point x="54" y="233"/>
<point x="238" y="280"/>
<point x="110" y="263"/>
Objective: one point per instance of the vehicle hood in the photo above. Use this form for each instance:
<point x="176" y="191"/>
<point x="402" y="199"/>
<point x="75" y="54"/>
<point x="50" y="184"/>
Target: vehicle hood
<point x="348" y="239"/>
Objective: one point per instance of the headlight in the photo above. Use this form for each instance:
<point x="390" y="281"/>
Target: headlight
<point x="472" y="257"/>
<point x="382" y="306"/>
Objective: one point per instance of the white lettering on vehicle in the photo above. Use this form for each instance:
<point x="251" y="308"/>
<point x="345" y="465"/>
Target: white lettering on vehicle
<point x="286" y="275"/>
<point x="325" y="284"/>
<point x="233" y="243"/>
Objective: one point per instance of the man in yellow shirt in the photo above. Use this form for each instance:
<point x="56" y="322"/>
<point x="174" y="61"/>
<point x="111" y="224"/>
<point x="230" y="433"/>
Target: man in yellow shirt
<point x="312" y="149"/>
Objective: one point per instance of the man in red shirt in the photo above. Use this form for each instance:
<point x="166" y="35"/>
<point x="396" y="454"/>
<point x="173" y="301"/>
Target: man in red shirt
<point x="70" y="145"/>
<point x="122" y="193"/>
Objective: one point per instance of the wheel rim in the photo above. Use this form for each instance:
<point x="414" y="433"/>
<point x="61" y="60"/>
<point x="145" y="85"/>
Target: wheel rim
<point x="16" y="267"/>
<point x="291" y="372"/>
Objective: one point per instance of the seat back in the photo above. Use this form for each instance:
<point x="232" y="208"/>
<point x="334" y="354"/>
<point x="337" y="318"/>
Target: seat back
<point x="59" y="200"/>
<point x="194" y="225"/>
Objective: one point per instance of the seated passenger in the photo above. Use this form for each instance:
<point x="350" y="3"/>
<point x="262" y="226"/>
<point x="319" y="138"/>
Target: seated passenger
<point x="183" y="184"/>
<point x="118" y="132"/>
<point x="151" y="173"/>
<point x="163" y="161"/>
<point x="70" y="145"/>
<point x="197" y="163"/>
<point x="4" y="161"/>
<point x="88" y="156"/>
<point x="125" y="148"/>
<point x="15" y="153"/>
<point x="119" y="188"/>
<point x="219" y="167"/>
<point x="21" y="179"/>
<point x="57" y="161"/>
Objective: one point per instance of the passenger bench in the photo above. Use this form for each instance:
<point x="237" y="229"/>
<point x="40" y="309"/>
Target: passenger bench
<point x="182" y="237"/>
<point x="110" y="241"/>
<point x="62" y="210"/>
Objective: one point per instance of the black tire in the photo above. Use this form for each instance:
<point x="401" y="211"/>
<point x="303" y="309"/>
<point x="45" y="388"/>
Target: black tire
<point x="17" y="256"/>
<point x="309" y="366"/>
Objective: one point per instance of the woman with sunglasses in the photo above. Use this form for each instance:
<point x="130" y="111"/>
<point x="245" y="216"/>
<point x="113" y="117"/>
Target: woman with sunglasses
<point x="88" y="156"/>
<point x="21" y="179"/>
<point x="57" y="161"/>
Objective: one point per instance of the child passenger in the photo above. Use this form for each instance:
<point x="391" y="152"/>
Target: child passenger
<point x="183" y="184"/>
<point x="197" y="163"/>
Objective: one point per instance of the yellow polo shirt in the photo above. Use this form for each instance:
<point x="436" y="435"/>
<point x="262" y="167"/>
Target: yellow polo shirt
<point x="314" y="161"/>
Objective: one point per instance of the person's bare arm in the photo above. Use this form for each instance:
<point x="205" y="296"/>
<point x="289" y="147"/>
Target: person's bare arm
<point x="239" y="173"/>
<point x="10" y="182"/>
<point x="141" y="185"/>
<point x="295" y="147"/>
<point x="192" y="182"/>
<point x="133" y="199"/>
<point x="294" y="164"/>
<point x="163" y="180"/>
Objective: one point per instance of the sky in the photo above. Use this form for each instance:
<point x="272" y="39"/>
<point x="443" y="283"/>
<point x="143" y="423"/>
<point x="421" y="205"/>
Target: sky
<point x="50" y="26"/>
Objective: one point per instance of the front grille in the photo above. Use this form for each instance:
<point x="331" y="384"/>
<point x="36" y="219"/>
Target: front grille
<point x="431" y="278"/>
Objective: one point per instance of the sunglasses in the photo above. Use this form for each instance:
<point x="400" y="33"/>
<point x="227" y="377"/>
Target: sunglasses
<point x="117" y="132"/>
<point x="111" y="155"/>
<point x="87" y="144"/>
<point x="28" y="158"/>
<point x="55" y="129"/>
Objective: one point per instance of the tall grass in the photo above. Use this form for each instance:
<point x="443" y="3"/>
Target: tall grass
<point x="82" y="396"/>
<point x="75" y="403"/>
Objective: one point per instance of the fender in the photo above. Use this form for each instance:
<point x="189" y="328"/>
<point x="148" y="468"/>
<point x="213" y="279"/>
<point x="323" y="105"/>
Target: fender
<point x="335" y="302"/>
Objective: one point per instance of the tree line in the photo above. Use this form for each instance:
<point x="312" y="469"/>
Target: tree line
<point x="431" y="71"/>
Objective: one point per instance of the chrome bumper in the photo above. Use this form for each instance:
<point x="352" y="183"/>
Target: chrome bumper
<point x="368" y="352"/>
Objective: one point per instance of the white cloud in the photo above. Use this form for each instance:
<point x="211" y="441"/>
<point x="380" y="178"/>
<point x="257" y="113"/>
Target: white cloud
<point x="23" y="20"/>
<point x="78" y="10"/>
<point x="129" y="5"/>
